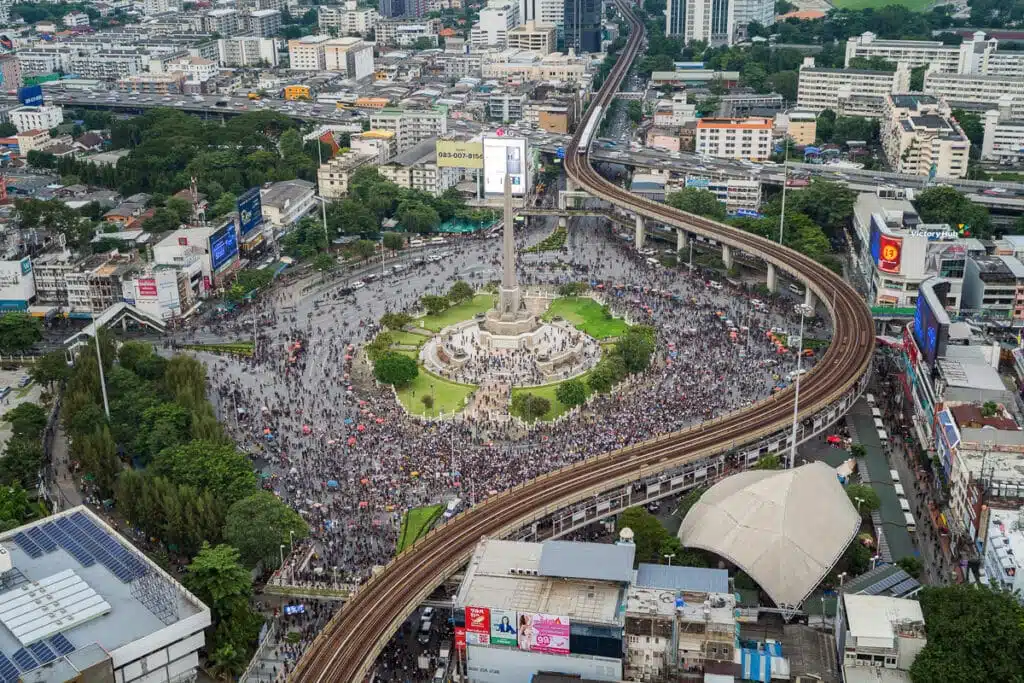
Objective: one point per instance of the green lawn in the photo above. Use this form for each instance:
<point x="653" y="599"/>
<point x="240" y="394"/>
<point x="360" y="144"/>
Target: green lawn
<point x="448" y="396"/>
<point x="415" y="524"/>
<point x="587" y="316"/>
<point x="405" y="352"/>
<point x="456" y="314"/>
<point x="407" y="338"/>
<point x="914" y="5"/>
<point x="548" y="391"/>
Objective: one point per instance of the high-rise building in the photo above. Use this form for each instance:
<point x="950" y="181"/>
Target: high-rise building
<point x="675" y="18"/>
<point x="551" y="12"/>
<point x="710" y="21"/>
<point x="746" y="11"/>
<point x="582" y="23"/>
<point x="391" y="8"/>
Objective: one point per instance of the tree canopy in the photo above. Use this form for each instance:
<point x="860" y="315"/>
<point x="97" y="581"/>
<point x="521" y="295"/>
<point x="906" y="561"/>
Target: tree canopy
<point x="258" y="525"/>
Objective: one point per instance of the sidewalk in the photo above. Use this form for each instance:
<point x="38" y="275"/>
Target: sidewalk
<point x="66" y="493"/>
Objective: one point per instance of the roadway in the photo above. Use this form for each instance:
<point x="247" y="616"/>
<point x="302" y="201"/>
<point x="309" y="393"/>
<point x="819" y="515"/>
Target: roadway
<point x="346" y="649"/>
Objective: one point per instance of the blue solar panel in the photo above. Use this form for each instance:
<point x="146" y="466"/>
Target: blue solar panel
<point x="8" y="672"/>
<point x="58" y="534"/>
<point x="28" y="545"/>
<point x="24" y="660"/>
<point x="42" y="652"/>
<point x="107" y="550"/>
<point x="41" y="539"/>
<point x="62" y="644"/>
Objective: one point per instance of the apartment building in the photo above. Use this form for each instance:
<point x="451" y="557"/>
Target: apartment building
<point x="264" y="23"/>
<point x="154" y="84"/>
<point x="528" y="66"/>
<point x="530" y="36"/>
<point x="154" y="7"/>
<point x="994" y="284"/>
<point x="225" y="22"/>
<point x="710" y="21"/>
<point x="194" y="68"/>
<point x="973" y="90"/>
<point x="977" y="55"/>
<point x="76" y="20"/>
<point x="247" y="52"/>
<point x="333" y="176"/>
<point x="107" y="65"/>
<point x="920" y="137"/>
<point x="411" y="126"/>
<point x="308" y="53"/>
<point x="350" y="56"/>
<point x="39" y="61"/>
<point x="746" y="11"/>
<point x="382" y="145"/>
<point x="506" y="106"/>
<point x="36" y="118"/>
<point x="819" y="89"/>
<point x="800" y="126"/>
<point x="491" y="30"/>
<point x="417" y="169"/>
<point x="555" y="112"/>
<point x="879" y="633"/>
<point x="548" y="12"/>
<point x="1004" y="135"/>
<point x="348" y="19"/>
<point x="405" y="33"/>
<point x="675" y="112"/>
<point x="749" y="138"/>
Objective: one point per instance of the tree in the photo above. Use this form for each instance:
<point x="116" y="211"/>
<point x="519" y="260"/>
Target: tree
<point x="418" y="217"/>
<point x="23" y="458"/>
<point x="858" y="450"/>
<point x="395" y="321"/>
<point x="393" y="241"/>
<point x="18" y="332"/>
<point x="942" y="204"/>
<point x="434" y="304"/>
<point x="324" y="262"/>
<point x="163" y="425"/>
<point x="826" y="203"/>
<point x="826" y="125"/>
<point x="16" y="508"/>
<point x="868" y="502"/>
<point x="460" y="291"/>
<point x="857" y="558"/>
<point x="395" y="369"/>
<point x="364" y="248"/>
<point x="28" y="420"/>
<point x="648" y="534"/>
<point x="529" y="406"/>
<point x="699" y="202"/>
<point x="206" y="466"/>
<point x="258" y="525"/>
<point x="768" y="462"/>
<point x="8" y="129"/>
<point x="911" y="565"/>
<point x="917" y="75"/>
<point x="960" y="620"/>
<point x="224" y="205"/>
<point x="571" y="393"/>
<point x="635" y="347"/>
<point x="972" y="124"/>
<point x="989" y="409"/>
<point x="786" y="84"/>
<point x="99" y="458"/>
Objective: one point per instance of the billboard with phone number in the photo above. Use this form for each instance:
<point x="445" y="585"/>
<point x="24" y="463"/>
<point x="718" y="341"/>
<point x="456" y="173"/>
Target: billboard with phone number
<point x="543" y="633"/>
<point x="223" y="246"/>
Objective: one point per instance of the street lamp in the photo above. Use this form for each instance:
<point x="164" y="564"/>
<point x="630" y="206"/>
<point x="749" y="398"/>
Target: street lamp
<point x="785" y="181"/>
<point x="280" y="549"/>
<point x="291" y="540"/>
<point x="323" y="213"/>
<point x="859" y="501"/>
<point x="796" y="398"/>
<point x="841" y="578"/>
<point x="669" y="557"/>
<point x="874" y="560"/>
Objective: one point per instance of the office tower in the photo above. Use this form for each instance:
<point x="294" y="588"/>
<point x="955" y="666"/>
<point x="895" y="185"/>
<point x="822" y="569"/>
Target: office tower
<point x="583" y="25"/>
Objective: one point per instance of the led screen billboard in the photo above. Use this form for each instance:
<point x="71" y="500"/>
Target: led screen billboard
<point x="223" y="246"/>
<point x="931" y="322"/>
<point x="250" y="211"/>
<point x="505" y="155"/>
<point x="886" y="251"/>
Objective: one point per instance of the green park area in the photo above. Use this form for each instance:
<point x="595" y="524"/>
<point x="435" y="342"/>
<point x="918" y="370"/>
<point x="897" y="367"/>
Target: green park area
<point x="587" y="315"/>
<point x="549" y="393"/>
<point x="457" y="313"/>
<point x="402" y="338"/>
<point x="448" y="397"/>
<point x="416" y="523"/>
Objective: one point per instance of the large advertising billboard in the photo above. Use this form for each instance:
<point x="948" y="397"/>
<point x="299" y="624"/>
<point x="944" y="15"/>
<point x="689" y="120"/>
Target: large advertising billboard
<point x="31" y="96"/>
<point x="223" y="246"/>
<point x="504" y="627"/>
<point x="503" y="664"/>
<point x="460" y="154"/>
<point x="250" y="211"/>
<point x="505" y="155"/>
<point x="886" y="251"/>
<point x="478" y="625"/>
<point x="147" y="288"/>
<point x="543" y="633"/>
<point x="931" y="322"/>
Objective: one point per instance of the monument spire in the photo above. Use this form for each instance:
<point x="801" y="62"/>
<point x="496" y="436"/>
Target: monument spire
<point x="508" y="298"/>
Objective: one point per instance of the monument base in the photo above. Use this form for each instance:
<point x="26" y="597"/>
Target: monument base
<point x="506" y="326"/>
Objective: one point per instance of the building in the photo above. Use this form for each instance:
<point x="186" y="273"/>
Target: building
<point x="505" y="106"/>
<point x="411" y="126"/>
<point x="392" y="8"/>
<point x="75" y="588"/>
<point x="533" y="37"/>
<point x="1004" y="135"/>
<point x="405" y="33"/>
<point x="36" y="118"/>
<point x="820" y="89"/>
<point x="264" y="23"/>
<point x="247" y="52"/>
<point x="549" y="12"/>
<point x="209" y="255"/>
<point x="495" y="22"/>
<point x="17" y="285"/>
<point x="194" y="68"/>
<point x="1003" y="555"/>
<point x="349" y="56"/>
<point x="695" y="78"/>
<point x="749" y="138"/>
<point x="993" y="286"/>
<point x="10" y="70"/>
<point x="675" y="112"/>
<point x="897" y="252"/>
<point x="528" y="66"/>
<point x="107" y="65"/>
<point x="878" y="636"/>
<point x="649" y="186"/>
<point x="39" y="61"/>
<point x="746" y="11"/>
<point x="581" y="24"/>
<point x="225" y="22"/>
<point x="30" y="140"/>
<point x="76" y="19"/>
<point x="162" y="291"/>
<point x="734" y="193"/>
<point x="50" y="272"/>
<point x="155" y="7"/>
<point x="154" y="84"/>
<point x="889" y="580"/>
<point x="417" y="169"/>
<point x="976" y="55"/>
<point x="333" y="175"/>
<point x="552" y="606"/>
<point x="665" y="139"/>
<point x="347" y="20"/>
<point x="799" y="126"/>
<point x="972" y="91"/>
<point x="555" y="114"/>
<point x="94" y="283"/>
<point x="710" y="21"/>
<point x="380" y="144"/>
<point x="308" y="53"/>
<point x="921" y="137"/>
<point x="284" y="203"/>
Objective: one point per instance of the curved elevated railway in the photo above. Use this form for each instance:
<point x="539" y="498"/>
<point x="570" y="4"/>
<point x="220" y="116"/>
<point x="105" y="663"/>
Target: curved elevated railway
<point x="344" y="652"/>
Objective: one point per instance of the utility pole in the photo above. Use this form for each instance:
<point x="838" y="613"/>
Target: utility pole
<point x="99" y="360"/>
<point x="796" y="399"/>
<point x="785" y="182"/>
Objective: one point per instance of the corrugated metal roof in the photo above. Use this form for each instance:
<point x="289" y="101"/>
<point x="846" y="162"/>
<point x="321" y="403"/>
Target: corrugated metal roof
<point x="597" y="561"/>
<point x="696" y="579"/>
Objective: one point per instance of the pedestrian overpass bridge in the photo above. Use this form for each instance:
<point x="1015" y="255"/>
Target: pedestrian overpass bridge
<point x="122" y="313"/>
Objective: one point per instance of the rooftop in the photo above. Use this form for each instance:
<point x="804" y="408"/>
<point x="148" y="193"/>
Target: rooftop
<point x="75" y="584"/>
<point x="875" y="619"/>
<point x="656" y="602"/>
<point x="967" y="367"/>
<point x="694" y="579"/>
<point x="913" y="100"/>
<point x="282" y="193"/>
<point x="589" y="561"/>
<point x="889" y="580"/>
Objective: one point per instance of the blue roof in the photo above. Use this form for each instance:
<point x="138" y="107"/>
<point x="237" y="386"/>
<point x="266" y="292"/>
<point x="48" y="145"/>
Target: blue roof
<point x="695" y="579"/>
<point x="597" y="561"/>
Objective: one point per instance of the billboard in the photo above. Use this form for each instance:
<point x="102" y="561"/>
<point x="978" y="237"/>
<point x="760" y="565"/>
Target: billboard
<point x="543" y="633"/>
<point x="250" y="211"/>
<point x="460" y="639"/>
<point x="504" y="627"/>
<point x="223" y="246"/>
<point x="31" y="95"/>
<point x="886" y="251"/>
<point x="505" y="155"/>
<point x="460" y="154"/>
<point x="147" y="287"/>
<point x="478" y="625"/>
<point x="503" y="664"/>
<point x="698" y="183"/>
<point x="931" y="322"/>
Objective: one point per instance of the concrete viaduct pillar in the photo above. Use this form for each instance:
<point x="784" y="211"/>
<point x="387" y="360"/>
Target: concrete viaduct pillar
<point x="563" y="222"/>
<point x="640" y="236"/>
<point x="773" y="282"/>
<point x="727" y="256"/>
<point x="681" y="240"/>
<point x="570" y="185"/>
<point x="809" y="299"/>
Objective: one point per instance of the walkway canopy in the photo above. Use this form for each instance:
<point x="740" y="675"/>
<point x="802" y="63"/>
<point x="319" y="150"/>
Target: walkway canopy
<point x="784" y="528"/>
<point x="113" y="315"/>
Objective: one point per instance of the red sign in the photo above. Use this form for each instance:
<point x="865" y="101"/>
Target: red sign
<point x="182" y="241"/>
<point x="147" y="287"/>
<point x="478" y="620"/>
<point x="460" y="639"/>
<point x="890" y="249"/>
<point x="206" y="282"/>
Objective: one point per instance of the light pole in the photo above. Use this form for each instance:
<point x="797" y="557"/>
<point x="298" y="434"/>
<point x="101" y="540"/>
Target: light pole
<point x="842" y="577"/>
<point x="874" y="560"/>
<point x="280" y="549"/>
<point x="291" y="541"/>
<point x="859" y="501"/>
<point x="323" y="214"/>
<point x="785" y="181"/>
<point x="99" y="361"/>
<point x="669" y="557"/>
<point x="796" y="398"/>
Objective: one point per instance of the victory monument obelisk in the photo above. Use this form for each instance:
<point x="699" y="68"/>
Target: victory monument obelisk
<point x="509" y="317"/>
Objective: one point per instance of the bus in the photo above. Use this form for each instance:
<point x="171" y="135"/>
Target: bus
<point x="909" y="519"/>
<point x="453" y="508"/>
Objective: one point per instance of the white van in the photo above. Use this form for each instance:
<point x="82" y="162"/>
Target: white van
<point x="899" y="489"/>
<point x="424" y="634"/>
<point x="439" y="675"/>
<point x="909" y="519"/>
<point x="714" y="284"/>
<point x="904" y="505"/>
<point x="895" y="476"/>
<point x="796" y="290"/>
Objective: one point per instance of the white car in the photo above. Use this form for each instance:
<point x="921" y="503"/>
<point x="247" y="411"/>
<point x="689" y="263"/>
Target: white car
<point x="358" y="284"/>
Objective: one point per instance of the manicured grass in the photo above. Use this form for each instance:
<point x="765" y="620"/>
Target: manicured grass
<point x="913" y="5"/>
<point x="458" y="313"/>
<point x="408" y="338"/>
<point x="448" y="396"/>
<point x="242" y="348"/>
<point x="553" y="242"/>
<point x="587" y="315"/>
<point x="406" y="352"/>
<point x="415" y="524"/>
<point x="548" y="391"/>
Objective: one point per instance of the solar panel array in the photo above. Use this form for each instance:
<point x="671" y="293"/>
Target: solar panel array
<point x="34" y="656"/>
<point x="885" y="584"/>
<point x="84" y="541"/>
